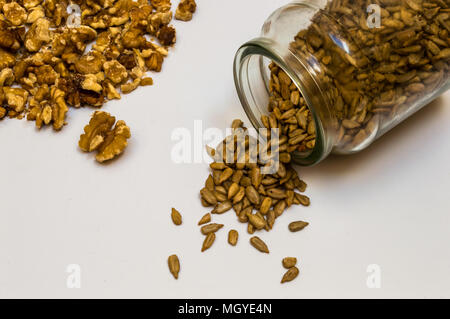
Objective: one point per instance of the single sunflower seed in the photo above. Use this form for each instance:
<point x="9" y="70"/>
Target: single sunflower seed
<point x="174" y="265"/>
<point x="233" y="237"/>
<point x="265" y="205"/>
<point x="279" y="208"/>
<point x="277" y="193"/>
<point x="208" y="196"/>
<point x="297" y="226"/>
<point x="226" y="174"/>
<point x="176" y="217"/>
<point x="211" y="228"/>
<point x="252" y="195"/>
<point x="205" y="219"/>
<point x="304" y="200"/>
<point x="222" y="208"/>
<point x="209" y="241"/>
<point x="289" y="262"/>
<point x="257" y="221"/>
<point x="239" y="195"/>
<point x="290" y="275"/>
<point x="233" y="190"/>
<point x="259" y="244"/>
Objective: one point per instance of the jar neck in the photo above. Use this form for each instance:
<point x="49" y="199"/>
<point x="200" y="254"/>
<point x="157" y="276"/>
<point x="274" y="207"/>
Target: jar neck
<point x="251" y="77"/>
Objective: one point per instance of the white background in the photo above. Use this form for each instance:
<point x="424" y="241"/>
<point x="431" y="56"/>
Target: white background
<point x="389" y="205"/>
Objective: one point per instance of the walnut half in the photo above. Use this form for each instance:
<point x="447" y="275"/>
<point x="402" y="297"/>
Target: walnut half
<point x="185" y="10"/>
<point x="99" y="135"/>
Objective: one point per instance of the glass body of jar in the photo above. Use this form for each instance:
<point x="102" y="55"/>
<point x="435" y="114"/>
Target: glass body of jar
<point x="360" y="70"/>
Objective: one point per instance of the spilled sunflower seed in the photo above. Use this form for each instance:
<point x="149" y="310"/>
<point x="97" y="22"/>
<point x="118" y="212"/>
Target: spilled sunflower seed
<point x="259" y="244"/>
<point x="205" y="219"/>
<point x="174" y="265"/>
<point x="290" y="275"/>
<point x="289" y="262"/>
<point x="233" y="237"/>
<point x="211" y="228"/>
<point x="176" y="217"/>
<point x="209" y="241"/>
<point x="297" y="226"/>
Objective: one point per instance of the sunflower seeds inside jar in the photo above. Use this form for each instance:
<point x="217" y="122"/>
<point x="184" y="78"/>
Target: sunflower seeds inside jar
<point x="346" y="72"/>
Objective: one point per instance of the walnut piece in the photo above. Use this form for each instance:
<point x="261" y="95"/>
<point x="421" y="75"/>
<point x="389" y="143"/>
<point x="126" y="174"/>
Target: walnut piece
<point x="7" y="59"/>
<point x="6" y="77"/>
<point x="2" y="112"/>
<point x="15" y="13"/>
<point x="90" y="64"/>
<point x="16" y="98"/>
<point x="90" y="83"/>
<point x="37" y="35"/>
<point x="167" y="36"/>
<point x="185" y="10"/>
<point x="130" y="87"/>
<point x="115" y="71"/>
<point x="9" y="37"/>
<point x="99" y="135"/>
<point x="161" y="5"/>
<point x="35" y="14"/>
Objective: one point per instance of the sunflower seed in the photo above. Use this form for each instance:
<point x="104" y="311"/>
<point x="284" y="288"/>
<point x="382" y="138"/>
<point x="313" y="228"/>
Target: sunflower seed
<point x="279" y="208"/>
<point x="290" y="275"/>
<point x="237" y="175"/>
<point x="218" y="166"/>
<point x="250" y="229"/>
<point x="277" y="193"/>
<point x="222" y="208"/>
<point x="289" y="262"/>
<point x="210" y="228"/>
<point x="259" y="244"/>
<point x="176" y="217"/>
<point x="304" y="200"/>
<point x="208" y="196"/>
<point x="209" y="241"/>
<point x="205" y="219"/>
<point x="256" y="177"/>
<point x="257" y="221"/>
<point x="209" y="184"/>
<point x="239" y="196"/>
<point x="227" y="173"/>
<point x="252" y="195"/>
<point x="297" y="226"/>
<point x="174" y="265"/>
<point x="233" y="190"/>
<point x="205" y="203"/>
<point x="233" y="237"/>
<point x="220" y="197"/>
<point x="265" y="205"/>
<point x="271" y="219"/>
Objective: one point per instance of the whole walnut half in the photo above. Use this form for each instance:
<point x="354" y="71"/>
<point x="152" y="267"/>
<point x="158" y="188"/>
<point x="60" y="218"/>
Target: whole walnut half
<point x="185" y="10"/>
<point x="99" y="135"/>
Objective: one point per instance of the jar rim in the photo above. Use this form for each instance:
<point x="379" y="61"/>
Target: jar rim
<point x="302" y="76"/>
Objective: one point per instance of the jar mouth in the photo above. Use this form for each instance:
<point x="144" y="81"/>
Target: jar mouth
<point x="251" y="76"/>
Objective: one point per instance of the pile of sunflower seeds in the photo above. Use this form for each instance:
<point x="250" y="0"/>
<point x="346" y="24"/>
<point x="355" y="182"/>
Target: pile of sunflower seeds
<point x="237" y="183"/>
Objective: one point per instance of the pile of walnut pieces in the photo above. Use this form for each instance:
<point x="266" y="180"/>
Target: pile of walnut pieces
<point x="45" y="66"/>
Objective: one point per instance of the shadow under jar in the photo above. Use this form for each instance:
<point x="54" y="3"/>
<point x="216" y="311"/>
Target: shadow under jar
<point x="333" y="80"/>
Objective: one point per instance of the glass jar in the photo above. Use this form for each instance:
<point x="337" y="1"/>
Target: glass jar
<point x="360" y="69"/>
